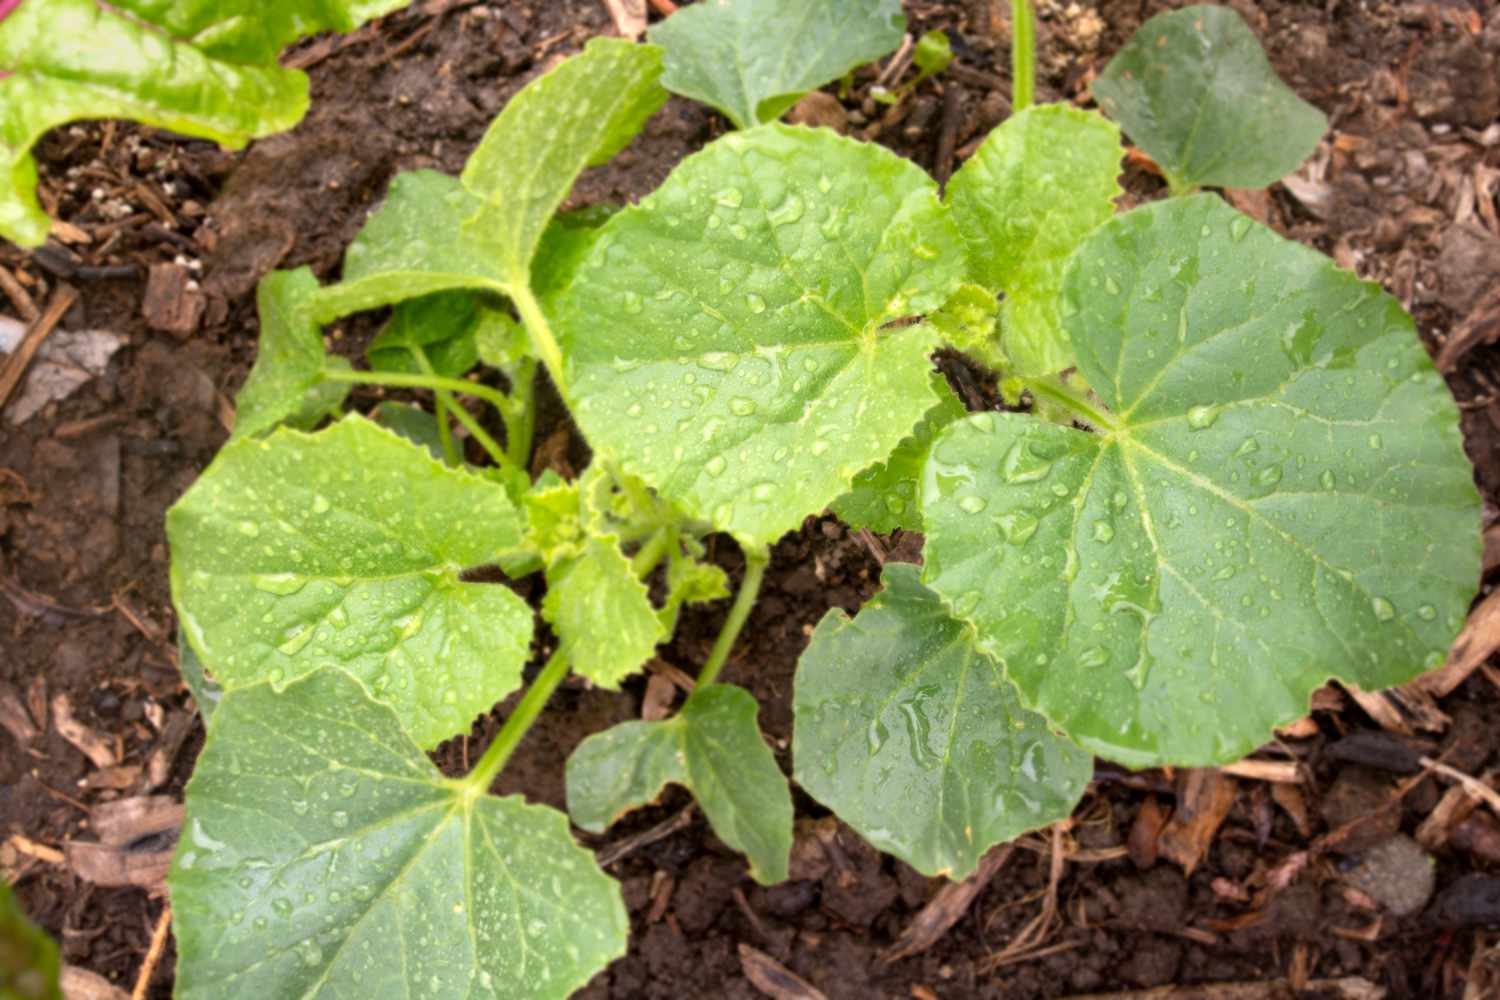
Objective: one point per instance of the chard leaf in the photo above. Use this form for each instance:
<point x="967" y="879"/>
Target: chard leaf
<point x="1194" y="89"/>
<point x="727" y="338"/>
<point x="441" y="325"/>
<point x="344" y="550"/>
<point x="578" y="115"/>
<point x="915" y="738"/>
<point x="1024" y="201"/>
<point x="713" y="747"/>
<point x="206" y="70"/>
<point x="286" y="384"/>
<point x="602" y="612"/>
<point x="1282" y="497"/>
<point x="414" y="244"/>
<point x="28" y="957"/>
<point x="884" y="496"/>
<point x="754" y="59"/>
<point x="323" y="855"/>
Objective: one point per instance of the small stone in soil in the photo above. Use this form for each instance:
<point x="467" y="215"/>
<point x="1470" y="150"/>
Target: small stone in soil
<point x="1472" y="901"/>
<point x="1397" y="874"/>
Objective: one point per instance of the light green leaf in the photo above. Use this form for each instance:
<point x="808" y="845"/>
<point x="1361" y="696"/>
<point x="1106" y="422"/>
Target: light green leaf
<point x="727" y="338"/>
<point x="754" y="59"/>
<point x="206" y="70"/>
<point x="344" y="550"/>
<point x="1194" y="89"/>
<point x="713" y="747"/>
<point x="578" y="115"/>
<point x="690" y="581"/>
<point x="1024" y="201"/>
<point x="441" y="325"/>
<point x="28" y="957"/>
<point x="414" y="244"/>
<point x="970" y="322"/>
<point x="500" y="340"/>
<point x="933" y="53"/>
<point x="323" y="855"/>
<point x="884" y="496"/>
<point x="286" y="385"/>
<point x="601" y="611"/>
<point x="915" y="738"/>
<point x="1284" y="498"/>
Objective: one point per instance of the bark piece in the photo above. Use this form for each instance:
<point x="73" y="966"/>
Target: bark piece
<point x="173" y="302"/>
<point x="774" y="979"/>
<point x="947" y="907"/>
<point x="1204" y="798"/>
<point x="88" y="742"/>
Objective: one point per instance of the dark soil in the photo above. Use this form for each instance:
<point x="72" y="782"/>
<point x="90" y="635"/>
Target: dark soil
<point x="1403" y="190"/>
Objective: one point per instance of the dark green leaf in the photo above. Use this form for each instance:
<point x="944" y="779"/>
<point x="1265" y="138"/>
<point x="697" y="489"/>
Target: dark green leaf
<point x="286" y="385"/>
<point x="1280" y="495"/>
<point x="323" y="855"/>
<point x="412" y="423"/>
<point x="28" y="957"/>
<point x="1194" y="89"/>
<point x="713" y="747"/>
<point x="442" y="325"/>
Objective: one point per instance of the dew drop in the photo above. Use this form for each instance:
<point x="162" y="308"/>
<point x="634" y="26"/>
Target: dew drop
<point x="249" y="529"/>
<point x="1375" y="441"/>
<point x="280" y="584"/>
<point x="632" y="303"/>
<point x="763" y="491"/>
<point x="1384" y="609"/>
<point x="1238" y="227"/>
<point x="715" y="466"/>
<point x="1200" y="417"/>
<point x="1269" y="476"/>
<point x="1111" y="285"/>
<point x="730" y="197"/>
<point x="1104" y="532"/>
<point x="320" y="504"/>
<point x="1427" y="613"/>
<point x="1094" y="656"/>
<point x="1326" y="479"/>
<point x="742" y="407"/>
<point x="973" y="504"/>
<point x="756" y="303"/>
<point x="1017" y="527"/>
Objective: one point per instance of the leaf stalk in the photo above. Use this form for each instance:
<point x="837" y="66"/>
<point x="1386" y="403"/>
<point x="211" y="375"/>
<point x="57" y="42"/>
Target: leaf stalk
<point x="756" y="560"/>
<point x="527" y="709"/>
<point x="1022" y="55"/>
<point x="1053" y="390"/>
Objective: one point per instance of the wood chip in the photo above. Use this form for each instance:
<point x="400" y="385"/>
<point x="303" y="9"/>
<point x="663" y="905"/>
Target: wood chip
<point x="629" y="17"/>
<point x="88" y="742"/>
<point x="774" y="979"/>
<point x="947" y="907"/>
<point x="1401" y="710"/>
<point x="1294" y="804"/>
<point x="116" y="867"/>
<point x="1145" y="832"/>
<point x="1287" y="772"/>
<point x="1204" y="798"/>
<point x="660" y="693"/>
<point x="81" y="984"/>
<point x="32" y="849"/>
<point x="126" y="821"/>
<point x="1346" y="988"/>
<point x="173" y="734"/>
<point x="15" y="365"/>
<point x="14" y="717"/>
<point x="173" y="302"/>
<point x="1480" y="637"/>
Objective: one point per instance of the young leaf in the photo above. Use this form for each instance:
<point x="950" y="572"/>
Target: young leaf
<point x="286" y="386"/>
<point x="442" y="326"/>
<point x="344" y="549"/>
<point x="414" y="244"/>
<point x="884" y="496"/>
<point x="1280" y="496"/>
<point x="412" y="423"/>
<point x="1037" y="186"/>
<point x="689" y="581"/>
<point x="970" y="322"/>
<point x="601" y="612"/>
<point x="578" y="115"/>
<point x="727" y="338"/>
<point x="28" y="957"/>
<point x="915" y="738"/>
<point x="713" y="747"/>
<point x="206" y="70"/>
<point x="933" y="53"/>
<point x="1194" y="89"/>
<point x="754" y="59"/>
<point x="323" y="855"/>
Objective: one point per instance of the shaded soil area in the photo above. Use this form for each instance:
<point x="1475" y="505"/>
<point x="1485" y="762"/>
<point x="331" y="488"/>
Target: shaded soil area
<point x="1355" y="862"/>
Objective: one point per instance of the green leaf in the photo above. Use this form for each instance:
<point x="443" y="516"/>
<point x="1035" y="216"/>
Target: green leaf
<point x="323" y="855"/>
<point x="286" y="385"/>
<point x="1283" y="498"/>
<point x="1194" y="89"/>
<point x="727" y="338"/>
<point x="970" y="322"/>
<point x="601" y="611"/>
<point x="441" y="325"/>
<point x="754" y="59"/>
<point x="933" y="53"/>
<point x="412" y="423"/>
<point x="689" y="581"/>
<point x="1024" y="201"/>
<point x="28" y="957"/>
<point x="713" y="747"/>
<point x="414" y="244"/>
<point x="884" y="496"/>
<point x="344" y="550"/>
<point x="206" y="70"/>
<point x="578" y="115"/>
<point x="565" y="245"/>
<point x="205" y="690"/>
<point x="915" y="738"/>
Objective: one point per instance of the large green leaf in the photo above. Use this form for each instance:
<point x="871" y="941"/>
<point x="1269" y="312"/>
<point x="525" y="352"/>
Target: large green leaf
<point x="344" y="549"/>
<point x="915" y="738"/>
<point x="1194" y="89"/>
<point x="714" y="749"/>
<point x="884" y="496"/>
<point x="1282" y="497"/>
<point x="601" y="612"/>
<point x="28" y="957"/>
<point x="730" y="338"/>
<point x="578" y="115"/>
<point x="1024" y="201"/>
<point x="323" y="855"/>
<point x="286" y="385"/>
<point x="203" y="69"/>
<point x="753" y="59"/>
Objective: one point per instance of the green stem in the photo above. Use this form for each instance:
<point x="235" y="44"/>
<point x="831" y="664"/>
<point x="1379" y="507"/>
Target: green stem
<point x="650" y="555"/>
<point x="756" y="561"/>
<point x="530" y="706"/>
<point x="443" y="405"/>
<point x="542" y="340"/>
<point x="1056" y="392"/>
<point x="520" y="426"/>
<point x="1176" y="187"/>
<point x="407" y="380"/>
<point x="1022" y="55"/>
<point x="486" y="441"/>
